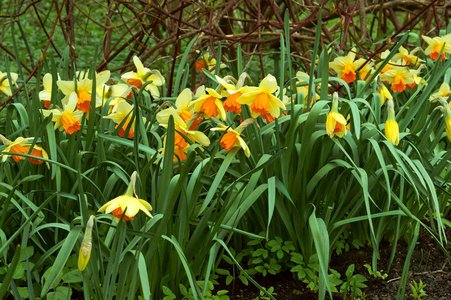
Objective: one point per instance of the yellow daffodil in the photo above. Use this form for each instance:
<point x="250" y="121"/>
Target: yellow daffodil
<point x="67" y="119"/>
<point x="388" y="66"/>
<point x="435" y="46"/>
<point x="232" y="138"/>
<point x="128" y="205"/>
<point x="399" y="77"/>
<point x="391" y="126"/>
<point x="365" y="70"/>
<point x="335" y="122"/>
<point x="346" y="67"/>
<point x="445" y="108"/>
<point x="205" y="62"/>
<point x="210" y="104"/>
<point x="179" y="152"/>
<point x="123" y="111"/>
<point x="261" y="99"/>
<point x="22" y="145"/>
<point x="408" y="58"/>
<point x="46" y="94"/>
<point x="383" y="92"/>
<point x="115" y="93"/>
<point x="444" y="92"/>
<point x="301" y="78"/>
<point x="5" y="86"/>
<point x="144" y="75"/>
<point x="83" y="89"/>
<point x="183" y="108"/>
<point x="86" y="245"/>
<point x="233" y="90"/>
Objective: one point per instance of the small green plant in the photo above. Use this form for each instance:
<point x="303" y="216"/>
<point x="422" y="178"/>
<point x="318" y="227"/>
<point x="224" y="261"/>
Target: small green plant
<point x="418" y="290"/>
<point x="262" y="294"/>
<point x="354" y="283"/>
<point x="375" y="273"/>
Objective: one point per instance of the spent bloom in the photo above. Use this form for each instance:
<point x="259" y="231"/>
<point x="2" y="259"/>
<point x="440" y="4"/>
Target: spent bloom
<point x="128" y="204"/>
<point x="68" y="118"/>
<point x="436" y="44"/>
<point x="335" y="122"/>
<point x="144" y="75"/>
<point x="5" y="86"/>
<point x="261" y="99"/>
<point x="391" y="126"/>
<point x="346" y="66"/>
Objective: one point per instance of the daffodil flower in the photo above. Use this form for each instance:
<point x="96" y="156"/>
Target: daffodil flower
<point x="446" y="110"/>
<point x="261" y="99"/>
<point x="233" y="91"/>
<point x="346" y="66"/>
<point x="83" y="90"/>
<point x="143" y="75"/>
<point x="444" y="92"/>
<point x="68" y="118"/>
<point x="22" y="145"/>
<point x="435" y="45"/>
<point x="205" y="62"/>
<point x="232" y="138"/>
<point x="335" y="122"/>
<point x="301" y="78"/>
<point x="115" y="93"/>
<point x="408" y="58"/>
<point x="120" y="112"/>
<point x="4" y="82"/>
<point x="383" y="92"/>
<point x="399" y="77"/>
<point x="46" y="94"/>
<point x="391" y="126"/>
<point x="210" y="104"/>
<point x="128" y="205"/>
<point x="183" y="108"/>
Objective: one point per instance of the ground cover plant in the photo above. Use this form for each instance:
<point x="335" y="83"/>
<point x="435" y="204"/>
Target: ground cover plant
<point x="152" y="150"/>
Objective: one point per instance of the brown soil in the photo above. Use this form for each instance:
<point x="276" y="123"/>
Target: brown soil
<point x="428" y="264"/>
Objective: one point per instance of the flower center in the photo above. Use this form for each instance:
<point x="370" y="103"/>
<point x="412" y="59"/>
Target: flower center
<point x="117" y="213"/>
<point x="231" y="105"/>
<point x="434" y="54"/>
<point x="136" y="82"/>
<point x="18" y="149"/>
<point x="179" y="141"/>
<point x="348" y="74"/>
<point x="121" y="132"/>
<point x="399" y="84"/>
<point x="228" y="140"/>
<point x="261" y="104"/>
<point x="84" y="100"/>
<point x="209" y="107"/>
<point x="180" y="153"/>
<point x="38" y="153"/>
<point x="70" y="123"/>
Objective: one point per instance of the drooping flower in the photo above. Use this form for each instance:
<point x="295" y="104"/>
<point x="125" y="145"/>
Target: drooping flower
<point x="68" y="118"/>
<point x="144" y="75"/>
<point x="382" y="90"/>
<point x="210" y="104"/>
<point x="346" y="66"/>
<point x="391" y="126"/>
<point x="5" y="86"/>
<point x="435" y="45"/>
<point x="399" y="77"/>
<point x="123" y="111"/>
<point x="86" y="245"/>
<point x="128" y="205"/>
<point x="232" y="138"/>
<point x="444" y="92"/>
<point x="261" y="99"/>
<point x="335" y="122"/>
<point x="23" y="145"/>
